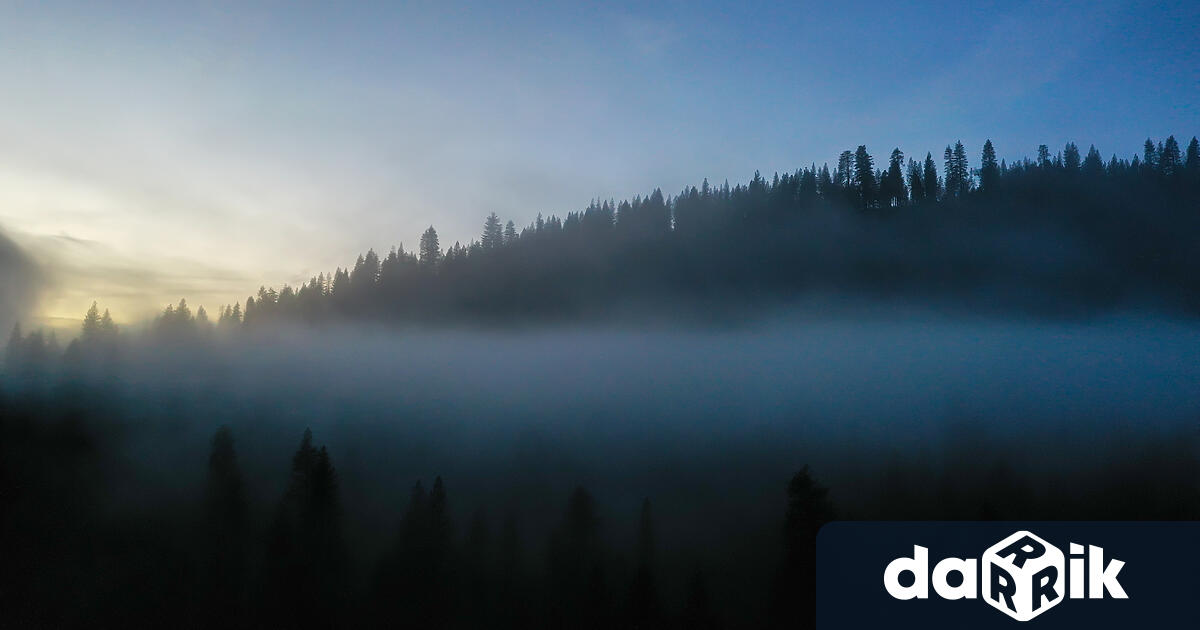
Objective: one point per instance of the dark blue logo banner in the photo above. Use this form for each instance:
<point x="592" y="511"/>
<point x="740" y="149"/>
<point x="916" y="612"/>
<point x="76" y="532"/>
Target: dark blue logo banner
<point x="1055" y="574"/>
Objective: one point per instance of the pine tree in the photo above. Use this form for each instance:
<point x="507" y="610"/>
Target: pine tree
<point x="365" y="274"/>
<point x="958" y="176"/>
<point x="808" y="509"/>
<point x="1043" y="157"/>
<point x="892" y="191"/>
<point x="825" y="183"/>
<point x="90" y="331"/>
<point x="580" y="594"/>
<point x="227" y="533"/>
<point x="932" y="188"/>
<point x="1193" y="157"/>
<point x="1149" y="156"/>
<point x="1093" y="164"/>
<point x="657" y="213"/>
<point x="288" y="569"/>
<point x="108" y="328"/>
<point x="962" y="170"/>
<point x="916" y="185"/>
<point x="400" y="585"/>
<point x="510" y="233"/>
<point x="843" y="177"/>
<point x="431" y="252"/>
<point x="1071" y="158"/>
<point x="306" y="554"/>
<point x="864" y="178"/>
<point x="322" y="536"/>
<point x="422" y="559"/>
<point x="951" y="172"/>
<point x="989" y="172"/>
<point x="808" y="191"/>
<point x="493" y="233"/>
<point x="1169" y="162"/>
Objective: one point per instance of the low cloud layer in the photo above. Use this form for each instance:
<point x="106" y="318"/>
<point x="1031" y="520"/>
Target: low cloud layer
<point x="20" y="281"/>
<point x="83" y="270"/>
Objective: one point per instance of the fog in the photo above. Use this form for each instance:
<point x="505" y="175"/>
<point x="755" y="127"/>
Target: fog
<point x="911" y="415"/>
<point x="730" y="412"/>
<point x="19" y="281"/>
<point x="881" y="382"/>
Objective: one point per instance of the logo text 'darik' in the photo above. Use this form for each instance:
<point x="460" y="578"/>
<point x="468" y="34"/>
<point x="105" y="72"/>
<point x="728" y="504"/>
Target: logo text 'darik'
<point x="1022" y="576"/>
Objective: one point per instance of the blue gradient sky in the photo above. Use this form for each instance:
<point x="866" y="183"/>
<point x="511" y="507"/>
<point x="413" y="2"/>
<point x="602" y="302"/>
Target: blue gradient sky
<point x="151" y="151"/>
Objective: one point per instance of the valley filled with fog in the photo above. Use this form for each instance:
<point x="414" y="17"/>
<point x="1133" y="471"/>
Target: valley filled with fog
<point x="914" y="416"/>
<point x="794" y="391"/>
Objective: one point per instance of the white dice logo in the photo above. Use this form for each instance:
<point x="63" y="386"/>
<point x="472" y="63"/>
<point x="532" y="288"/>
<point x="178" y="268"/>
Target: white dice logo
<point x="1023" y="576"/>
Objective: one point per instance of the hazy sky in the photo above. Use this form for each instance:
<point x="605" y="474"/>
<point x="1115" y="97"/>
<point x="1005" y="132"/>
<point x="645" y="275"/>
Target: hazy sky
<point x="152" y="151"/>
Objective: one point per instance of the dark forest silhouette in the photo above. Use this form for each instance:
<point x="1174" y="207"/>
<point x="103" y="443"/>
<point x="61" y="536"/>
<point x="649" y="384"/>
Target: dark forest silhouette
<point x="1060" y="233"/>
<point x="69" y="564"/>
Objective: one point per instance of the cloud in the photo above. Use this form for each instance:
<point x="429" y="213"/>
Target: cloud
<point x="80" y="270"/>
<point x="20" y="283"/>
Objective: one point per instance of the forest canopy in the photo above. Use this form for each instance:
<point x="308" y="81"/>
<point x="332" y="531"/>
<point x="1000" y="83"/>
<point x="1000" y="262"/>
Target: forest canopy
<point x="1065" y="232"/>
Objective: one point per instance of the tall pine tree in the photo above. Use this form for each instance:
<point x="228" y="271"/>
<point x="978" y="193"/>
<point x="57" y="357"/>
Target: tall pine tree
<point x="989" y="171"/>
<point x="227" y="535"/>
<point x="493" y="232"/>
<point x="431" y="251"/>
<point x="933" y="190"/>
<point x="864" y="178"/>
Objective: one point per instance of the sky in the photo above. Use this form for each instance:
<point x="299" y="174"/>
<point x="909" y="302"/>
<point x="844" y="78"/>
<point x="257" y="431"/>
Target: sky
<point x="156" y="151"/>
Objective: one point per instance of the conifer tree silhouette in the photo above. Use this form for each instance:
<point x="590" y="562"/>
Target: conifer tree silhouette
<point x="305" y="552"/>
<point x="579" y="590"/>
<point x="90" y="330"/>
<point x="808" y="508"/>
<point x="1170" y="161"/>
<point x="989" y="170"/>
<point x="933" y="190"/>
<point x="864" y="178"/>
<point x="1192" y="163"/>
<point x="431" y="252"/>
<point x="493" y="232"/>
<point x="227" y="531"/>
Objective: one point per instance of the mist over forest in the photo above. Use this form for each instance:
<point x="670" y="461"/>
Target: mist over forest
<point x="635" y="415"/>
<point x="19" y="282"/>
